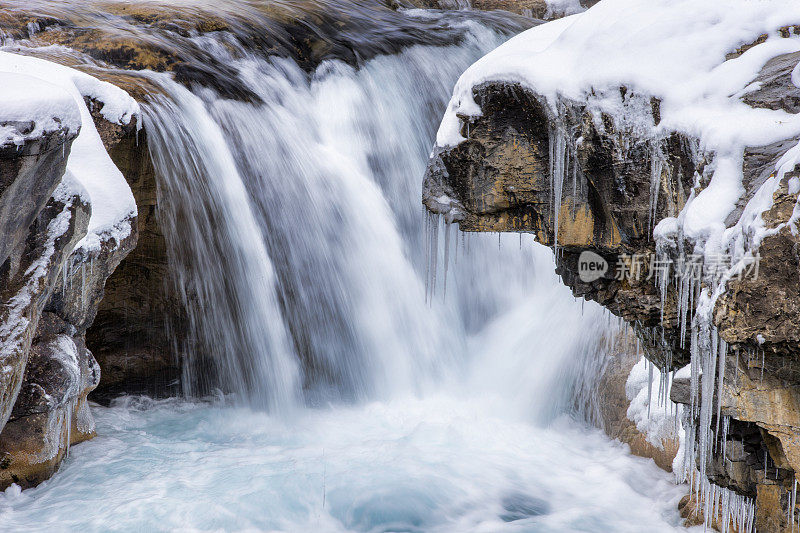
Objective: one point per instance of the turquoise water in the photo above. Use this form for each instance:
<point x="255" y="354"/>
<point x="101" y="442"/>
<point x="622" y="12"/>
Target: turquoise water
<point x="435" y="464"/>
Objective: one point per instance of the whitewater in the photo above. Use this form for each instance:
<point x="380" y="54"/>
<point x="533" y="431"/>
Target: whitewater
<point x="353" y="400"/>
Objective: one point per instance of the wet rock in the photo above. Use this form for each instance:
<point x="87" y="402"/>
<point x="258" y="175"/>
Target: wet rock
<point x="28" y="176"/>
<point x="775" y="87"/>
<point x="130" y="335"/>
<point x="51" y="412"/>
<point x="33" y="401"/>
<point x="29" y="273"/>
<point x="681" y="390"/>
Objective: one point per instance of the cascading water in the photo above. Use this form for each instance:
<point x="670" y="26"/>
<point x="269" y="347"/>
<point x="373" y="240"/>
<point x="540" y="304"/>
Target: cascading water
<point x="308" y="181"/>
<point x="297" y="238"/>
<point x="221" y="264"/>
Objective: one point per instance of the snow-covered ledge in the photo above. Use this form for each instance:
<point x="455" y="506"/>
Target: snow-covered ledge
<point x="666" y="131"/>
<point x="68" y="218"/>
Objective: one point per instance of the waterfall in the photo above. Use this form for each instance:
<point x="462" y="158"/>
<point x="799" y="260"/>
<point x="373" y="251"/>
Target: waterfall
<point x="221" y="265"/>
<point x="289" y="200"/>
<point x="296" y="234"/>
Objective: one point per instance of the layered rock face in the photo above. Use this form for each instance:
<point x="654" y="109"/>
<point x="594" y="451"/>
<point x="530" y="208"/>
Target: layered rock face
<point x="589" y="181"/>
<point x="51" y="282"/>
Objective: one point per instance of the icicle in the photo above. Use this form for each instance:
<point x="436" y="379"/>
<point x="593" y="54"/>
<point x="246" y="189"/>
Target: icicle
<point x="766" y="455"/>
<point x="446" y="254"/>
<point x="649" y="386"/>
<point x="695" y="371"/>
<point x="726" y="422"/>
<point x="64" y="268"/>
<point x="455" y="244"/>
<point x="704" y="351"/>
<point x="726" y="510"/>
<point x="427" y="247"/>
<point x="432" y="253"/>
<point x="723" y="348"/>
<point x="656" y="168"/>
<point x="83" y="282"/>
<point x="794" y="501"/>
<point x="559" y="160"/>
<point x="574" y="181"/>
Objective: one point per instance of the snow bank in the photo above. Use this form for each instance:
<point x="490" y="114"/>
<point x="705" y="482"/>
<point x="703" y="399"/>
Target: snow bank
<point x="52" y="96"/>
<point x="674" y="50"/>
<point x="654" y="414"/>
<point x="29" y="100"/>
<point x="671" y="49"/>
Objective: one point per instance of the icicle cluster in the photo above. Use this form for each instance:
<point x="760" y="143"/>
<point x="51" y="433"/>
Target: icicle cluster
<point x="431" y="253"/>
<point x="792" y="504"/>
<point x="563" y="162"/>
<point x="433" y="225"/>
<point x="731" y="511"/>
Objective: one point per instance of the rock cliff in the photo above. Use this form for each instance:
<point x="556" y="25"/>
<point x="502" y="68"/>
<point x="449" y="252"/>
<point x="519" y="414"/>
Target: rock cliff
<point x="595" y="179"/>
<point x="56" y="254"/>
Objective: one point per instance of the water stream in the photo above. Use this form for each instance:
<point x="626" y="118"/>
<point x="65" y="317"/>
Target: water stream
<point x="345" y="398"/>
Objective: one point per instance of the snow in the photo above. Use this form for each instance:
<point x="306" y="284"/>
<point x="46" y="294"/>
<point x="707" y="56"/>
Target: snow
<point x="672" y="50"/>
<point x="52" y="94"/>
<point x="27" y="99"/>
<point x="653" y="416"/>
<point x="684" y="372"/>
